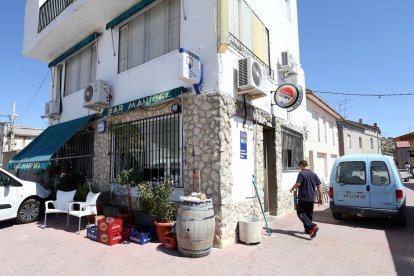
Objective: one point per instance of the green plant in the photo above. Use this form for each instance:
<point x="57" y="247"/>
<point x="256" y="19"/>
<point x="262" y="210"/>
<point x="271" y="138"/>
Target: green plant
<point x="163" y="205"/>
<point x="128" y="177"/>
<point x="146" y="197"/>
<point x="155" y="199"/>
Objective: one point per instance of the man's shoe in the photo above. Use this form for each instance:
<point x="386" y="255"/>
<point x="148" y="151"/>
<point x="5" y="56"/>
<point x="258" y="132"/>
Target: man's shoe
<point x="313" y="231"/>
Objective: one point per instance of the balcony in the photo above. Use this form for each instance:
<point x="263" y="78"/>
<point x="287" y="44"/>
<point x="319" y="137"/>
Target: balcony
<point x="57" y="25"/>
<point x="50" y="10"/>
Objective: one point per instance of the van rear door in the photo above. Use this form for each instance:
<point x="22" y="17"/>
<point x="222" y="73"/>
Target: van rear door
<point x="382" y="188"/>
<point x="351" y="184"/>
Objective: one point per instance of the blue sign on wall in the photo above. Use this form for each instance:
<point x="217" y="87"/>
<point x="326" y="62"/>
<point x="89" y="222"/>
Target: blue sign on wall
<point x="243" y="145"/>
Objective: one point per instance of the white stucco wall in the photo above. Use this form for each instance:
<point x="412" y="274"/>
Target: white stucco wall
<point x="322" y="140"/>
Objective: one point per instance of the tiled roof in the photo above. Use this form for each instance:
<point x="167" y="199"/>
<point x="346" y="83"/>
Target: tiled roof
<point x="402" y="144"/>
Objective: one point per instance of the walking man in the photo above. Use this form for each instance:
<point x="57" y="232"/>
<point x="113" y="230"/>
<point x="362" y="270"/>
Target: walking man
<point x="306" y="183"/>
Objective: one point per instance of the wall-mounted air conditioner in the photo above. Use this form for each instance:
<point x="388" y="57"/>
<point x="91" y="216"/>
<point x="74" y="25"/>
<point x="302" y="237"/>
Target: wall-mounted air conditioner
<point x="97" y="95"/>
<point x="287" y="63"/>
<point x="52" y="109"/>
<point x="251" y="78"/>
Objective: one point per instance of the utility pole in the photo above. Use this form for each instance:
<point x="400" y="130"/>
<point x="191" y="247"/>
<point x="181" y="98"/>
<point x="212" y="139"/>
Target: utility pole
<point x="11" y="127"/>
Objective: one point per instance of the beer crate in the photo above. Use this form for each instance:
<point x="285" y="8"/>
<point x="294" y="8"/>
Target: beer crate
<point x="110" y="238"/>
<point x="110" y="225"/>
<point x="139" y="237"/>
<point x="92" y="232"/>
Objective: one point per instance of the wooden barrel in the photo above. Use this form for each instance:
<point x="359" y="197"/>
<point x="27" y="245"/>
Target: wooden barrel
<point x="195" y="227"/>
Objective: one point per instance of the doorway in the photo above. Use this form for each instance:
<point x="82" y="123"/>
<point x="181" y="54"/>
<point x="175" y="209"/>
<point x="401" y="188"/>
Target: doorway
<point x="269" y="171"/>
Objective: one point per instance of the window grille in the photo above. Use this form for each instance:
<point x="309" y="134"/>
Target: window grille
<point x="149" y="146"/>
<point x="78" y="152"/>
<point x="292" y="148"/>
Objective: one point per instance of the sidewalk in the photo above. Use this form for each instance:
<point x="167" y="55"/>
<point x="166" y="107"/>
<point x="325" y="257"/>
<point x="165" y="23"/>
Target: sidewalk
<point x="30" y="250"/>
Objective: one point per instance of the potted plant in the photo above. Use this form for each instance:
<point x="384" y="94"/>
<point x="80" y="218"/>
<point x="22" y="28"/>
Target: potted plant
<point x="163" y="209"/>
<point x="127" y="178"/>
<point x="146" y="203"/>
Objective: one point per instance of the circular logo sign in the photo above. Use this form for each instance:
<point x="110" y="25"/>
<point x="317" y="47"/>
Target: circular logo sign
<point x="101" y="126"/>
<point x="286" y="95"/>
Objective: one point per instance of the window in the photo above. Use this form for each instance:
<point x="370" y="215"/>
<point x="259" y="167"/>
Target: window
<point x="292" y="148"/>
<point x="150" y="35"/>
<point x="360" y="142"/>
<point x="150" y="146"/>
<point x="372" y="143"/>
<point x="245" y="26"/>
<point x="348" y="139"/>
<point x="80" y="70"/>
<point x="78" y="153"/>
<point x="316" y="133"/>
<point x="351" y="172"/>
<point x="379" y="173"/>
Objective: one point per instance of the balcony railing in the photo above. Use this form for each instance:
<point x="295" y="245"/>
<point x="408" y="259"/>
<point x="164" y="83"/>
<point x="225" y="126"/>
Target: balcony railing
<point x="50" y="10"/>
<point x="243" y="50"/>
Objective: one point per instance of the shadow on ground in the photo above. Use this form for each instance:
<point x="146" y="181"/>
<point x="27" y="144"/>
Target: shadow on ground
<point x="400" y="239"/>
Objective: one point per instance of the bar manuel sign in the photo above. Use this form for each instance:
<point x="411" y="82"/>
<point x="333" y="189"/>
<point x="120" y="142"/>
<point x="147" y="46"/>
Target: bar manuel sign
<point x="143" y="102"/>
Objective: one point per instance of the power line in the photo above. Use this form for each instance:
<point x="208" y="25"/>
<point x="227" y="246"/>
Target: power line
<point x="35" y="94"/>
<point x="365" y="94"/>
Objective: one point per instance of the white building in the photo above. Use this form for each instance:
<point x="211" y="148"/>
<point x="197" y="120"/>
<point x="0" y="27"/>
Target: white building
<point x="322" y="144"/>
<point x="21" y="138"/>
<point x="357" y="137"/>
<point x="179" y="89"/>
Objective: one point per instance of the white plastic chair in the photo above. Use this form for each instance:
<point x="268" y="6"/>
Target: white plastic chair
<point x="60" y="205"/>
<point x="86" y="208"/>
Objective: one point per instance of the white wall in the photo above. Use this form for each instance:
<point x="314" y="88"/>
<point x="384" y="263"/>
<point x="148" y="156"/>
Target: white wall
<point x="322" y="140"/>
<point x="243" y="169"/>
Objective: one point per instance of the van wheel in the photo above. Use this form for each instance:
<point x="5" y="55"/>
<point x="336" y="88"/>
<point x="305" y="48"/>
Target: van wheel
<point x="337" y="216"/>
<point x="29" y="211"/>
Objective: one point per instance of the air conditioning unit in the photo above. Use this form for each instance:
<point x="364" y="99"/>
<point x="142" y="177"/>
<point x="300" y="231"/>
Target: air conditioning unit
<point x="251" y="78"/>
<point x="97" y="95"/>
<point x="288" y="64"/>
<point x="52" y="109"/>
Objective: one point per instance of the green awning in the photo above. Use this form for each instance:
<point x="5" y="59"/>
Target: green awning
<point x="37" y="154"/>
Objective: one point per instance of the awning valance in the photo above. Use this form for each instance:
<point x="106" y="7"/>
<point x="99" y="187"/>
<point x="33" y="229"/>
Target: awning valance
<point x="37" y="154"/>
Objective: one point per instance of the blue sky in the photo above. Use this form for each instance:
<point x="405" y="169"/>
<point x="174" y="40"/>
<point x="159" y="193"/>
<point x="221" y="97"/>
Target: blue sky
<point x="20" y="77"/>
<point x="361" y="46"/>
<point x="353" y="46"/>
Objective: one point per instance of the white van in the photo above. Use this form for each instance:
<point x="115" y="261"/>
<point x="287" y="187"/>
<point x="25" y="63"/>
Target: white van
<point x="368" y="185"/>
<point x="20" y="199"/>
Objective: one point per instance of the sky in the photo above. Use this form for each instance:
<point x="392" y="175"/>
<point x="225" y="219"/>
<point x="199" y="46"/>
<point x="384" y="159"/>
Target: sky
<point x="350" y="47"/>
<point x="361" y="47"/>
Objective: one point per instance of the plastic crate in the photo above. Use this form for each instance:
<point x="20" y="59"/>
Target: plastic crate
<point x="139" y="237"/>
<point x="92" y="232"/>
<point x="170" y="242"/>
<point x="110" y="238"/>
<point x="110" y="225"/>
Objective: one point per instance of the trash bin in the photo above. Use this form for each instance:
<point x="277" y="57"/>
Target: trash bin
<point x="250" y="230"/>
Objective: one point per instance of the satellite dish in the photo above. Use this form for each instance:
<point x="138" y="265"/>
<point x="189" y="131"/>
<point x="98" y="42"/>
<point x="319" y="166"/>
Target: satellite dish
<point x="88" y="94"/>
<point x="256" y="73"/>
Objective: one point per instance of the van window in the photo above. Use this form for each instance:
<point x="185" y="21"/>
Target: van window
<point x="379" y="173"/>
<point x="351" y="172"/>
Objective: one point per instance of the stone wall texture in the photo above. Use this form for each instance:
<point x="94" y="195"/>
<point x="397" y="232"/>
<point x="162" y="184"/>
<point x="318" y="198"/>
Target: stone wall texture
<point x="207" y="152"/>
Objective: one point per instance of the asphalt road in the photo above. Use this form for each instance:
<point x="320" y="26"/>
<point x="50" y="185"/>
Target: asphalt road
<point x="352" y="246"/>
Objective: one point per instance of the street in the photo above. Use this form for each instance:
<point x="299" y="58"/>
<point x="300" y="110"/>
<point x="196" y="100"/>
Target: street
<point x="353" y="246"/>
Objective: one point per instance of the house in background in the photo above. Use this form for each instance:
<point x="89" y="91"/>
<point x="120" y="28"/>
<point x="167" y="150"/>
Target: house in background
<point x="404" y="149"/>
<point x="10" y="146"/>
<point x="321" y="143"/>
<point x="357" y="137"/>
<point x="174" y="89"/>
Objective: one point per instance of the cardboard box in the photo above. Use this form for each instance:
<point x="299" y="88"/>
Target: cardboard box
<point x="110" y="225"/>
<point x="110" y="238"/>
